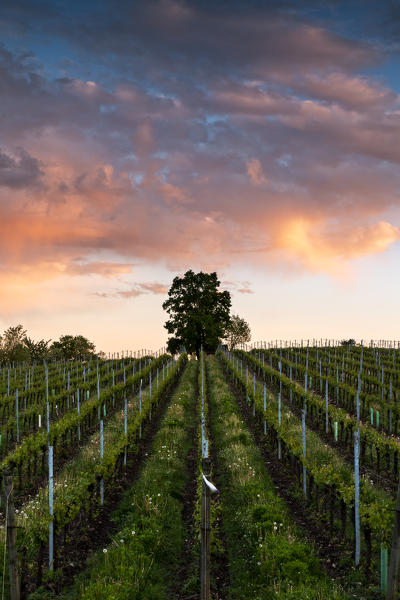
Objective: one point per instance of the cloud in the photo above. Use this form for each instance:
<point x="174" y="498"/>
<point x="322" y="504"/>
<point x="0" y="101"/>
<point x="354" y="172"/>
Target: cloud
<point x="260" y="40"/>
<point x="133" y="293"/>
<point x="173" y="195"/>
<point x="138" y="289"/>
<point x="240" y="287"/>
<point x="322" y="247"/>
<point x="255" y="172"/>
<point x="154" y="288"/>
<point x="19" y="170"/>
<point x="234" y="98"/>
<point x="355" y="92"/>
<point x="103" y="268"/>
<point x="151" y="164"/>
<point x="143" y="139"/>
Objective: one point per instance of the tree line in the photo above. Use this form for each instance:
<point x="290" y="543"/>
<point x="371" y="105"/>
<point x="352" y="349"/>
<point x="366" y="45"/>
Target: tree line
<point x="16" y="346"/>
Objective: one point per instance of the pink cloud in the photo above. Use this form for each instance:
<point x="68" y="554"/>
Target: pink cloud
<point x="355" y="92"/>
<point x="105" y="269"/>
<point x="255" y="172"/>
<point x="240" y="287"/>
<point x="173" y="195"/>
<point x="154" y="288"/>
<point x="143" y="139"/>
<point x="246" y="99"/>
<point x="138" y="289"/>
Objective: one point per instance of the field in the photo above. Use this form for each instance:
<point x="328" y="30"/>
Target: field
<point x="106" y="461"/>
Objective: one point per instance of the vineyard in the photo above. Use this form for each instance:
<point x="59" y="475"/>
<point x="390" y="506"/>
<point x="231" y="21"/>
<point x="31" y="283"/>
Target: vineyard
<point x="252" y="474"/>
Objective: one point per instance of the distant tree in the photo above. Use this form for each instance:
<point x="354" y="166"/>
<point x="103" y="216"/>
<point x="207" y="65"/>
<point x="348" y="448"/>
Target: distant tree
<point x="72" y="347"/>
<point x="349" y="342"/>
<point x="13" y="348"/>
<point x="198" y="311"/>
<point x="38" y="351"/>
<point x="237" y="332"/>
<point x="16" y="346"/>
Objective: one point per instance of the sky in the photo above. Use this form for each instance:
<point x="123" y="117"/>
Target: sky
<point x="256" y="139"/>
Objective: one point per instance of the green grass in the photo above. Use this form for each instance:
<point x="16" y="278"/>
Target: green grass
<point x="143" y="556"/>
<point x="268" y="556"/>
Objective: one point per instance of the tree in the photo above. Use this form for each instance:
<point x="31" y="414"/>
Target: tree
<point x="198" y="311"/>
<point x="237" y="332"/>
<point x="12" y="345"/>
<point x="350" y="342"/>
<point x="72" y="347"/>
<point x="38" y="351"/>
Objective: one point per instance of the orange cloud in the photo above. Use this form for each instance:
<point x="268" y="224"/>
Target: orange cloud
<point x="28" y="238"/>
<point x="173" y="195"/>
<point x="322" y="247"/>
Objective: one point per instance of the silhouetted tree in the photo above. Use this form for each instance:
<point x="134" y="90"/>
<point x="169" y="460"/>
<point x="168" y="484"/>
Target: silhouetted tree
<point x="198" y="311"/>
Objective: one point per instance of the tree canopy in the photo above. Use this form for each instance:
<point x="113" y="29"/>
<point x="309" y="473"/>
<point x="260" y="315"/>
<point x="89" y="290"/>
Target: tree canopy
<point x="12" y="344"/>
<point x="38" y="351"/>
<point x="198" y="311"/>
<point x="16" y="346"/>
<point x="237" y="332"/>
<point x="350" y="342"/>
<point x="72" y="347"/>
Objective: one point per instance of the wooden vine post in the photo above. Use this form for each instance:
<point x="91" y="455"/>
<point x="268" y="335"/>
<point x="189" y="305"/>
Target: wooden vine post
<point x="11" y="537"/>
